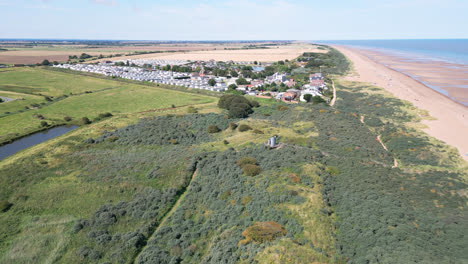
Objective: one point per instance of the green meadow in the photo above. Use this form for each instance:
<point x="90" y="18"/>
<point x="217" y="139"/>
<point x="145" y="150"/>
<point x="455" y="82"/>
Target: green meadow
<point x="75" y="96"/>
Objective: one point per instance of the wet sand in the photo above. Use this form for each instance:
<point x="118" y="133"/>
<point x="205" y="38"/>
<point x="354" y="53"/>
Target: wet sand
<point x="451" y="125"/>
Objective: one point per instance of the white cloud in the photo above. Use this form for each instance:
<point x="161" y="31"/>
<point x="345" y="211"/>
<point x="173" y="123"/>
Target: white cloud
<point x="106" y="2"/>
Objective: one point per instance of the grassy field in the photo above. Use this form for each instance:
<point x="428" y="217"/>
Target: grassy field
<point x="39" y="81"/>
<point x="116" y="97"/>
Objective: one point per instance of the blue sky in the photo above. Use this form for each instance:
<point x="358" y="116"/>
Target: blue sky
<point x="234" y="19"/>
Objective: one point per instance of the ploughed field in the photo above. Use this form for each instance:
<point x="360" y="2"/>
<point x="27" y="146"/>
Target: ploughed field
<point x="57" y="98"/>
<point x="172" y="188"/>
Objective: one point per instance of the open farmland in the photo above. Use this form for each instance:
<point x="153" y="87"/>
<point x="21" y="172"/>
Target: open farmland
<point x="71" y="99"/>
<point x="273" y="53"/>
<point x="33" y="56"/>
<point x="21" y="53"/>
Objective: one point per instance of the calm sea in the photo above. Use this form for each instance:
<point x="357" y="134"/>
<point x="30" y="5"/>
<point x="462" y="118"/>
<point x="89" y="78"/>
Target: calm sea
<point x="450" y="50"/>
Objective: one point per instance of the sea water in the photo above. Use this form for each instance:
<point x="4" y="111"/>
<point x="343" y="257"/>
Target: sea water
<point x="449" y="50"/>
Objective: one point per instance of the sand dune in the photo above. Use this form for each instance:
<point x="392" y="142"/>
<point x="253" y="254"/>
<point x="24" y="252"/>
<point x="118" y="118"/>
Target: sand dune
<point x="451" y="125"/>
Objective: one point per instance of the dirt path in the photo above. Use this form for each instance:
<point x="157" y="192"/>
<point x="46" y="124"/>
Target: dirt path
<point x="381" y="143"/>
<point x="395" y="162"/>
<point x="332" y="103"/>
<point x="176" y="205"/>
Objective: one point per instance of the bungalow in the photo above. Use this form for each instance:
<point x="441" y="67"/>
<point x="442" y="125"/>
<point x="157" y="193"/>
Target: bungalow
<point x="290" y="83"/>
<point x="317" y="82"/>
<point x="315" y="76"/>
<point x="256" y="83"/>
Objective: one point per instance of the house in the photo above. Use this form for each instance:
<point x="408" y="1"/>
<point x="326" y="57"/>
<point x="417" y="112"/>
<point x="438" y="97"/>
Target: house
<point x="256" y="83"/>
<point x="315" y="76"/>
<point x="290" y="83"/>
<point x="290" y="95"/>
<point x="317" y="82"/>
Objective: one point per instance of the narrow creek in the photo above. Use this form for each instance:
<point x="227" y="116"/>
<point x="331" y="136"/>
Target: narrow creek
<point x="32" y="140"/>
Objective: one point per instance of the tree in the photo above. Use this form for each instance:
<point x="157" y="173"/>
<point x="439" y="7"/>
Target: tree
<point x="211" y="82"/>
<point x="232" y="87"/>
<point x="237" y="106"/>
<point x="234" y="73"/>
<point x="45" y="63"/>
<point x="308" y="97"/>
<point x="242" y="81"/>
<point x="255" y="62"/>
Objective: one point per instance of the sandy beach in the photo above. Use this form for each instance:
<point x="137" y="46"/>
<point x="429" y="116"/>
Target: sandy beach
<point x="451" y="125"/>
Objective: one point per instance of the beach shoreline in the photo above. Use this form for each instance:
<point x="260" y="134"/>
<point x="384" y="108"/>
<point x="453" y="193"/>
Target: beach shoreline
<point x="451" y="117"/>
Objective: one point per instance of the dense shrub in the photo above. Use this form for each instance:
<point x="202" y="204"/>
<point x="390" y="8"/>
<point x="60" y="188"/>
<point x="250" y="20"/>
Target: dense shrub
<point x="251" y="170"/>
<point x="191" y="110"/>
<point x="44" y="124"/>
<point x="244" y="127"/>
<point x="5" y="205"/>
<point x="237" y="106"/>
<point x="261" y="232"/>
<point x="257" y="131"/>
<point x="232" y="126"/>
<point x="67" y="118"/>
<point x="165" y="130"/>
<point x="213" y="129"/>
<point x="104" y="115"/>
<point x="246" y="160"/>
<point x="85" y="121"/>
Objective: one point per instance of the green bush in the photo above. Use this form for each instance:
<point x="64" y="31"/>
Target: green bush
<point x="257" y="131"/>
<point x="317" y="100"/>
<point x="104" y="115"/>
<point x="237" y="106"/>
<point x="232" y="126"/>
<point x="192" y="110"/>
<point x="85" y="121"/>
<point x="244" y="127"/>
<point x="213" y="129"/>
<point x="5" y="205"/>
<point x="251" y="170"/>
<point x="44" y="124"/>
<point x="67" y="118"/>
<point x="246" y="160"/>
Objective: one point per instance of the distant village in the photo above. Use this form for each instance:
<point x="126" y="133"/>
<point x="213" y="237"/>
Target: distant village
<point x="243" y="77"/>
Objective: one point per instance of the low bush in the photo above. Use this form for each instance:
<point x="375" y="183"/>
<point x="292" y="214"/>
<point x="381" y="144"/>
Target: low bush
<point x="85" y="121"/>
<point x="192" y="110"/>
<point x="232" y="126"/>
<point x="257" y="131"/>
<point x="244" y="127"/>
<point x="213" y="129"/>
<point x="261" y="232"/>
<point x="246" y="160"/>
<point x="251" y="170"/>
<point x="281" y="108"/>
<point x="44" y="124"/>
<point x="5" y="205"/>
<point x="67" y="118"/>
<point x="104" y="115"/>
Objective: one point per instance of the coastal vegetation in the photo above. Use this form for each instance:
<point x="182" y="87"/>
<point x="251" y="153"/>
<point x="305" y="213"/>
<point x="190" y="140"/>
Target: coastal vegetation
<point x="356" y="182"/>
